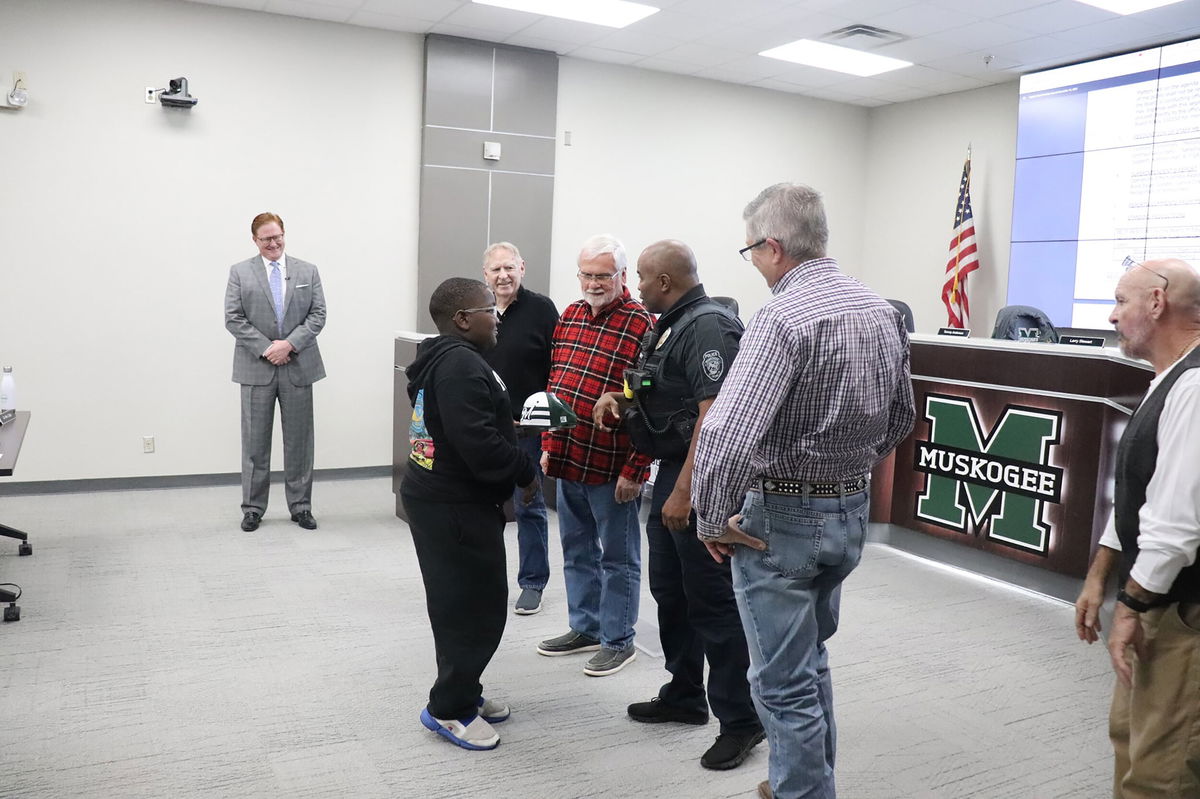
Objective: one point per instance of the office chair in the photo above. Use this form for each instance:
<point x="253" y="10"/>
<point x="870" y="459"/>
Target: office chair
<point x="728" y="302"/>
<point x="906" y="312"/>
<point x="1024" y="323"/>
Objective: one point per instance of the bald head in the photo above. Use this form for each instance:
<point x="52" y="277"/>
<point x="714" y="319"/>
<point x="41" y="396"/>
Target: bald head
<point x="666" y="271"/>
<point x="1157" y="315"/>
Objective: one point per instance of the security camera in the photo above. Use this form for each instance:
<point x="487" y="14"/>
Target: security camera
<point x="177" y="95"/>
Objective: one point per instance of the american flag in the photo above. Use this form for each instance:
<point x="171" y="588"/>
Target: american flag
<point x="964" y="259"/>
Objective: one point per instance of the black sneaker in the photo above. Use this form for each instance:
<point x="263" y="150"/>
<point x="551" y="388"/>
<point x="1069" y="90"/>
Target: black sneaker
<point x="729" y="751"/>
<point x="657" y="711"/>
<point x="568" y="644"/>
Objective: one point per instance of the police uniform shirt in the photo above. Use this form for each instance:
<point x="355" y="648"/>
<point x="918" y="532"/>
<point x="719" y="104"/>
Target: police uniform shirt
<point x="695" y="366"/>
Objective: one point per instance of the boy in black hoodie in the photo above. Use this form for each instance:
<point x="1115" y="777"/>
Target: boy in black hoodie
<point x="463" y="466"/>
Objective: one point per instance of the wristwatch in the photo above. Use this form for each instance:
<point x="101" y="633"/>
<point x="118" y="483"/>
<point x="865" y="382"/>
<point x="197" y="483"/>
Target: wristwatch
<point x="1132" y="602"/>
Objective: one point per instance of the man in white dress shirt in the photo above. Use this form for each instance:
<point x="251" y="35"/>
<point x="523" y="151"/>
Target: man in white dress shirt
<point x="1152" y="540"/>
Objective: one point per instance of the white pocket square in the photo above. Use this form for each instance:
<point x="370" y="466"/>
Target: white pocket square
<point x="303" y="285"/>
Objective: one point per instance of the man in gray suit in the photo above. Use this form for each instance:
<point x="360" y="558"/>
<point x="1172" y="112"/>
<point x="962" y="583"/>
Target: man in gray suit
<point x="275" y="307"/>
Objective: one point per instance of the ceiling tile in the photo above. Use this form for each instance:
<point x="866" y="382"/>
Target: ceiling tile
<point x="567" y="31"/>
<point x="1056" y="16"/>
<point x="972" y="64"/>
<point x="500" y="20"/>
<point x="389" y="22"/>
<point x="590" y="53"/>
<point x="631" y="40"/>
<point x="723" y="9"/>
<point x="663" y="65"/>
<point x="994" y="8"/>
<point x="923" y="19"/>
<point x="756" y="66"/>
<point x="922" y="49"/>
<point x="674" y="25"/>
<point x="251" y="5"/>
<point x="537" y="43"/>
<point x="418" y="9"/>
<point x="463" y="32"/>
<point x="801" y="23"/>
<point x="979" y="35"/>
<point x="1112" y="33"/>
<point x="303" y="8"/>
<point x="702" y="55"/>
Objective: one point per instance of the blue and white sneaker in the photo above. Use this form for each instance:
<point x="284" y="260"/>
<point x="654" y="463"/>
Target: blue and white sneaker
<point x="471" y="733"/>
<point x="492" y="711"/>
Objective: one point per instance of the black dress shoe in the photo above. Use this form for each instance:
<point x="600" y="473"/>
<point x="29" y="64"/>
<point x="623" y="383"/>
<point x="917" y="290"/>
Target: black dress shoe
<point x="657" y="711"/>
<point x="729" y="750"/>
<point x="250" y="520"/>
<point x="305" y="519"/>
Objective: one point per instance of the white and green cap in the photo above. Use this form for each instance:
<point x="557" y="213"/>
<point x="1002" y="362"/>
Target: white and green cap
<point x="546" y="411"/>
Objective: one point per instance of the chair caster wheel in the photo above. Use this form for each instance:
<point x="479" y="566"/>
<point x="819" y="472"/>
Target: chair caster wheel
<point x="25" y="549"/>
<point x="12" y="612"/>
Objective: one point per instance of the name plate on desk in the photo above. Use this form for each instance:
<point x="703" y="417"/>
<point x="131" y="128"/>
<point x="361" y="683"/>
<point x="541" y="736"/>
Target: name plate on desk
<point x="1082" y="341"/>
<point x="960" y="332"/>
<point x="7" y="416"/>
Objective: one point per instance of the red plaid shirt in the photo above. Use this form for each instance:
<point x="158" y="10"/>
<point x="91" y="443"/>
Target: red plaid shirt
<point x="589" y="357"/>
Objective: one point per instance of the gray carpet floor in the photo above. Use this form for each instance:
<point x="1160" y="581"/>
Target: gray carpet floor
<point x="162" y="652"/>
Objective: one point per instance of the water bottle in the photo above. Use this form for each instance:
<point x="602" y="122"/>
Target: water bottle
<point x="8" y="391"/>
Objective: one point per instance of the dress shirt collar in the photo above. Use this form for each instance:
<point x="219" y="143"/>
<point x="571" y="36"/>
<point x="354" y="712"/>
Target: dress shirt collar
<point x="282" y="264"/>
<point x="803" y="273"/>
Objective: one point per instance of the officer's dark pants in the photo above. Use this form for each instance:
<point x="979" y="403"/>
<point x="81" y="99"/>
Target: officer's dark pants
<point x="697" y="618"/>
<point x="460" y="549"/>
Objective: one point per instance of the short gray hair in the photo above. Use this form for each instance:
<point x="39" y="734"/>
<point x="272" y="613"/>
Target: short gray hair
<point x="603" y="244"/>
<point x="501" y="245"/>
<point x="794" y="216"/>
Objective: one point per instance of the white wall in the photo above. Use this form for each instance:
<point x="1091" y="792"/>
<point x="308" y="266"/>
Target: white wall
<point x="657" y="156"/>
<point x="119" y="221"/>
<point x="914" y="161"/>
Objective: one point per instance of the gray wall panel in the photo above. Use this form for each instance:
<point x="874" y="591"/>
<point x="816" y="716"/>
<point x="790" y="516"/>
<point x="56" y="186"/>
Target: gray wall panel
<point x="465" y="148"/>
<point x="521" y="212"/>
<point x="526" y="87"/>
<point x="454" y="221"/>
<point x="458" y="83"/>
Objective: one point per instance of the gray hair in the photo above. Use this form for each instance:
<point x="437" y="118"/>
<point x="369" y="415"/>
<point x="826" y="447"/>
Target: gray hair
<point x="501" y="245"/>
<point x="603" y="244"/>
<point x="794" y="216"/>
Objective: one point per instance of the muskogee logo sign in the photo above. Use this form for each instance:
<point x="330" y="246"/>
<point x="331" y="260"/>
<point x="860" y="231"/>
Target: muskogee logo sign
<point x="1002" y="475"/>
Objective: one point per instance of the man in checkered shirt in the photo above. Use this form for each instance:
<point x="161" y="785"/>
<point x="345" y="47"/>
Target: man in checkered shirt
<point x="599" y="474"/>
<point x="819" y="393"/>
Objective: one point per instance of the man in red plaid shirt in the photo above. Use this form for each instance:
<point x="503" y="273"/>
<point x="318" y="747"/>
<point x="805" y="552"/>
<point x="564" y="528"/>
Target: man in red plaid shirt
<point x="599" y="474"/>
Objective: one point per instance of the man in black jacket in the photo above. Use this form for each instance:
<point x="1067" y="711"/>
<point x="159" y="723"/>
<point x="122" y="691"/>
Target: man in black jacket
<point x="522" y="359"/>
<point x="463" y="465"/>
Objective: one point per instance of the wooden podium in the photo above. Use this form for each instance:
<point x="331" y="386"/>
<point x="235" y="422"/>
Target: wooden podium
<point x="1013" y="448"/>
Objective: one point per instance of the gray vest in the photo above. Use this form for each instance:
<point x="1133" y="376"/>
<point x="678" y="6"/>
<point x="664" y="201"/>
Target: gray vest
<point x="1137" y="458"/>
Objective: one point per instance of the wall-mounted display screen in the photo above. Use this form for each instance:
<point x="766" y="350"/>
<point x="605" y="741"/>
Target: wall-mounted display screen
<point x="1108" y="167"/>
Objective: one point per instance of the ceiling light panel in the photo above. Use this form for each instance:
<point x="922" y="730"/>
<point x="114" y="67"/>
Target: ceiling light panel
<point x="838" y="59"/>
<point x="610" y="13"/>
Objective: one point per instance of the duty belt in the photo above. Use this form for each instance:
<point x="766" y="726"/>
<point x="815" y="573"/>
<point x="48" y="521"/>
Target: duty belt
<point x="772" y="485"/>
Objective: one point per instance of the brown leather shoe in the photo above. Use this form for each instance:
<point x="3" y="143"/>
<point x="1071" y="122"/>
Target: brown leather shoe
<point x="764" y="790"/>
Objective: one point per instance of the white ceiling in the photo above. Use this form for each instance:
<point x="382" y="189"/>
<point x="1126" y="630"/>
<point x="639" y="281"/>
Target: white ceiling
<point x="953" y="44"/>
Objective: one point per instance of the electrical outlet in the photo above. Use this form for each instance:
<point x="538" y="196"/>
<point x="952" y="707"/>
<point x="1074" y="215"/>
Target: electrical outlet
<point x="151" y="95"/>
<point x="148" y="444"/>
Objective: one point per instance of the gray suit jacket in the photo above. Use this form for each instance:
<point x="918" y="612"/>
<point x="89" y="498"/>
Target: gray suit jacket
<point x="250" y="317"/>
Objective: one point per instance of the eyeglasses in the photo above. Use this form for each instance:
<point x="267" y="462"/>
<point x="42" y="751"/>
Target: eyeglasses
<point x="1129" y="263"/>
<point x="488" y="309"/>
<point x="745" y="251"/>
<point x="277" y="239"/>
<point x="603" y="278"/>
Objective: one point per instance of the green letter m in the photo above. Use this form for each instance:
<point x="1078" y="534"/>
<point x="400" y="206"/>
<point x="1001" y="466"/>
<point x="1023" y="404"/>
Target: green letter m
<point x="961" y="463"/>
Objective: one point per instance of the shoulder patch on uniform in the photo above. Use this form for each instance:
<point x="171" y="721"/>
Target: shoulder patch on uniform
<point x="714" y="365"/>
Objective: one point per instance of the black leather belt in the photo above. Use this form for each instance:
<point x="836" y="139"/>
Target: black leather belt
<point x="772" y="485"/>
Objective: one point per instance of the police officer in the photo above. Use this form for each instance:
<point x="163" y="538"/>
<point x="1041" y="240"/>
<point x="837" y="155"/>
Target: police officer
<point x="684" y="359"/>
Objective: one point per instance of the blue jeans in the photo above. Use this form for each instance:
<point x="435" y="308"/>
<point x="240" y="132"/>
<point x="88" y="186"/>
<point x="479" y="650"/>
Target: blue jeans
<point x="788" y="596"/>
<point x="533" y="537"/>
<point x="602" y="561"/>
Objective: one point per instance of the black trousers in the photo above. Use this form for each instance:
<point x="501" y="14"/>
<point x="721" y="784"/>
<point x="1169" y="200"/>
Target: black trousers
<point x="460" y="549"/>
<point x="697" y="619"/>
